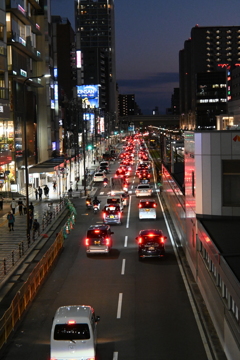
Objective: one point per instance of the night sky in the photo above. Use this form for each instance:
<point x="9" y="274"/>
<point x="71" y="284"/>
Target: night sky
<point x="149" y="35"/>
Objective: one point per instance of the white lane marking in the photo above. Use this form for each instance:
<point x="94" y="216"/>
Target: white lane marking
<point x="194" y="309"/>
<point x="129" y="210"/>
<point x="115" y="356"/>
<point x="126" y="240"/>
<point x="132" y="187"/>
<point x="123" y="267"/>
<point x="119" y="309"/>
<point x="101" y="193"/>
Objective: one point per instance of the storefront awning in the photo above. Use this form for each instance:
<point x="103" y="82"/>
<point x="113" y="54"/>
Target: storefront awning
<point x="47" y="166"/>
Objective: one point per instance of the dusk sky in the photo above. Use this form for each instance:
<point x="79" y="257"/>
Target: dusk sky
<point x="149" y="35"/>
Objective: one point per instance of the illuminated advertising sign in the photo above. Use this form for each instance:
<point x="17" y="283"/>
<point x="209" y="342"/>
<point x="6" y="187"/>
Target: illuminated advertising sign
<point x="89" y="117"/>
<point x="101" y="123"/>
<point x="89" y="95"/>
<point x="78" y="59"/>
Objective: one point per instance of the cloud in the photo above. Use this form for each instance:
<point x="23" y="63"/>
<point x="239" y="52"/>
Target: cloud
<point x="152" y="80"/>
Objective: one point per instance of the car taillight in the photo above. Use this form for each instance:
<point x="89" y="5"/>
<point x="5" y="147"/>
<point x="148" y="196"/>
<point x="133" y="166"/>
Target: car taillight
<point x="104" y="215"/>
<point x="119" y="214"/>
<point x="154" y="205"/>
<point x="107" y="241"/>
<point x="140" y="205"/>
<point x="140" y="240"/>
<point x="71" y="322"/>
<point x="161" y="239"/>
<point x="87" y="242"/>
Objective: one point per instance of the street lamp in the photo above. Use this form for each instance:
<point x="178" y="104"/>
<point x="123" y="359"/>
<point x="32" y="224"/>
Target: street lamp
<point x="26" y="148"/>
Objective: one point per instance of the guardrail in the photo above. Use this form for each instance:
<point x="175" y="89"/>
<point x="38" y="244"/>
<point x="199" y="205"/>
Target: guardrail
<point x="28" y="291"/>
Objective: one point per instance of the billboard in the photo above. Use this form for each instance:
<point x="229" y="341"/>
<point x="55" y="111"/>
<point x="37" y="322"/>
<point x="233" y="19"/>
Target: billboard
<point x="89" y="95"/>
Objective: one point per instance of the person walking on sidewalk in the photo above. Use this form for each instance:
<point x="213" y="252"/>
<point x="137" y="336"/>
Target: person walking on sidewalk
<point x="30" y="220"/>
<point x="1" y="202"/>
<point x="36" y="193"/>
<point x="20" y="206"/>
<point x="36" y="228"/>
<point x="31" y="208"/>
<point x="24" y="206"/>
<point x="11" y="219"/>
<point x="13" y="206"/>
<point x="40" y="193"/>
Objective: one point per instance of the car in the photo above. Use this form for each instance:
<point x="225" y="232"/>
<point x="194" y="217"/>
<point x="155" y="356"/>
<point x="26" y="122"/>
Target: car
<point x="143" y="190"/>
<point x="99" y="176"/>
<point x="112" y="214"/>
<point x="147" y="209"/>
<point x="74" y="333"/>
<point x="115" y="200"/>
<point x="99" y="239"/>
<point x="123" y="194"/>
<point x="151" y="243"/>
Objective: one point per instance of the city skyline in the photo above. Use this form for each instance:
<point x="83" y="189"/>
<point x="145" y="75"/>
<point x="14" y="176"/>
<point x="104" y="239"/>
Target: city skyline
<point x="149" y="36"/>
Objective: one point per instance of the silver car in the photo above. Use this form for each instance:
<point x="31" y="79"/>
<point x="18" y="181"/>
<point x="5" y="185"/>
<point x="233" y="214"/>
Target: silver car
<point x="147" y="209"/>
<point x="143" y="190"/>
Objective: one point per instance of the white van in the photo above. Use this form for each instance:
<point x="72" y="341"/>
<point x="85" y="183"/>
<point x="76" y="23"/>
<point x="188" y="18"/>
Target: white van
<point x="74" y="333"/>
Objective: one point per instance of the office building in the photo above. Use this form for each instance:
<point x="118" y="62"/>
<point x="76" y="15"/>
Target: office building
<point x="209" y="50"/>
<point x="95" y="26"/>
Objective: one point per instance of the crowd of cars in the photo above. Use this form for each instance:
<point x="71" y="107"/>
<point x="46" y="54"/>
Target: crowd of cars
<point x="74" y="328"/>
<point x="150" y="241"/>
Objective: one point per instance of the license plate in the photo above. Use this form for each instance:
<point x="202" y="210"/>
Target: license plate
<point x="112" y="216"/>
<point x="146" y="209"/>
<point x="97" y="242"/>
<point x="151" y="248"/>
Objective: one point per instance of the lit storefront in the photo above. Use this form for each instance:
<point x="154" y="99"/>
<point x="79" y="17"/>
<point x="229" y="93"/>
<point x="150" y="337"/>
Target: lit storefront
<point x="7" y="165"/>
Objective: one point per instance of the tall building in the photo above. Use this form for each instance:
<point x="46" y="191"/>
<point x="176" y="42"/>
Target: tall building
<point x="96" y="29"/>
<point x="205" y="55"/>
<point x="126" y="105"/>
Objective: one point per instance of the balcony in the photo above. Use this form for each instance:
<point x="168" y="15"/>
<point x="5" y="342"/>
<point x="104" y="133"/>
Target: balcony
<point x="25" y="19"/>
<point x="24" y="45"/>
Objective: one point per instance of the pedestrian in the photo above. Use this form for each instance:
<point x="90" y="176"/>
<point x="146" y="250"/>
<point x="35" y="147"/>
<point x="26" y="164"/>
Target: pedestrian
<point x="20" y="206"/>
<point x="31" y="208"/>
<point x="1" y="202"/>
<point x="30" y="219"/>
<point x="11" y="219"/>
<point x="94" y="161"/>
<point x="24" y="206"/>
<point x="13" y="206"/>
<point x="36" y="228"/>
<point x="45" y="189"/>
<point x="40" y="193"/>
<point x="54" y="185"/>
<point x="36" y="193"/>
<point x="70" y="192"/>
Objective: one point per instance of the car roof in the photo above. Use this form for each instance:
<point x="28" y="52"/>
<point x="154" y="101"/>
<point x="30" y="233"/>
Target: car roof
<point x="76" y="312"/>
<point x="147" y="200"/>
<point x="100" y="227"/>
<point x="143" y="185"/>
<point x="99" y="173"/>
<point x="153" y="231"/>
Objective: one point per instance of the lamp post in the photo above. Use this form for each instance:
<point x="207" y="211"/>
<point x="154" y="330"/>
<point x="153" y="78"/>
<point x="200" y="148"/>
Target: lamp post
<point x="26" y="149"/>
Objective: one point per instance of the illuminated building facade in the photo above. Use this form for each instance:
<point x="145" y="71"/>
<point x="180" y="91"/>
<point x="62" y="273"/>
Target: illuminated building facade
<point x="209" y="51"/>
<point x="95" y="24"/>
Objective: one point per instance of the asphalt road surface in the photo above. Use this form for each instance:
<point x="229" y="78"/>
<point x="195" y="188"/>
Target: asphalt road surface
<point x="143" y="305"/>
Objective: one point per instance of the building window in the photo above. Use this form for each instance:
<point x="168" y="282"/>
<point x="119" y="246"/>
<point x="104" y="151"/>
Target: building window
<point x="230" y="183"/>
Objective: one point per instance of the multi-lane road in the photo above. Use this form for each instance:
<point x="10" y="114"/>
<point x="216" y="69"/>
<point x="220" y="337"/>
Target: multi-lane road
<point x="145" y="310"/>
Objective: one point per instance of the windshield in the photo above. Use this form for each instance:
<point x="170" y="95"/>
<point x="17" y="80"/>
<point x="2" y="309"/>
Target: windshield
<point x="71" y="332"/>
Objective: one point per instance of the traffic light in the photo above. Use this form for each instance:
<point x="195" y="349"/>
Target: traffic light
<point x="89" y="147"/>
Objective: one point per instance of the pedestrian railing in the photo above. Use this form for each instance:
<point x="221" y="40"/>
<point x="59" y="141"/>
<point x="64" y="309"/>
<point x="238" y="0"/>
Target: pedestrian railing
<point x="20" y="250"/>
<point x="28" y="291"/>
